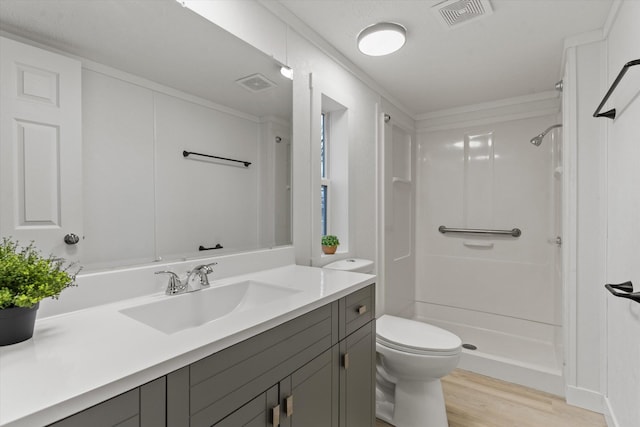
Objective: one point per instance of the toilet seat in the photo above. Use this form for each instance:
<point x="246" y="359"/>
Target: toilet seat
<point x="416" y="337"/>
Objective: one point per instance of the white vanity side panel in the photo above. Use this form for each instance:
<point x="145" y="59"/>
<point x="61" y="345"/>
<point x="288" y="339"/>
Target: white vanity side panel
<point x="118" y="170"/>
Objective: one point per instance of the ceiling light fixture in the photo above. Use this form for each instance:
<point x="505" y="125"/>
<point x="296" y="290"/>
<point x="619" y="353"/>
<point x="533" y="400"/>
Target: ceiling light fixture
<point x="381" y="39"/>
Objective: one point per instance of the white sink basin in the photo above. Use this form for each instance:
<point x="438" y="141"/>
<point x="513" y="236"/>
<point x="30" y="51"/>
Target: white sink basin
<point x="179" y="312"/>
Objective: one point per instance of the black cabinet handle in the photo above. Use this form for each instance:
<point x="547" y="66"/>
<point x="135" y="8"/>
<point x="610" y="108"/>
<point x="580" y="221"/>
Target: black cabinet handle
<point x="627" y="291"/>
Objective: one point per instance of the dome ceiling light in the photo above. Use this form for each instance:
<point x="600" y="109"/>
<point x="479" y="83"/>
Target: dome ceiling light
<point x="381" y="39"/>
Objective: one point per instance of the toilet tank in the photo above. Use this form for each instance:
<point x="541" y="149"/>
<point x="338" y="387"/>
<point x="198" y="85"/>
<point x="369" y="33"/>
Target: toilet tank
<point x="352" y="264"/>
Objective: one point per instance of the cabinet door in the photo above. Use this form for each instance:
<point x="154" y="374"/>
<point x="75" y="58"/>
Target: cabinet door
<point x="262" y="411"/>
<point x="309" y="397"/>
<point x="357" y="378"/>
<point x="153" y="398"/>
<point x="40" y="147"/>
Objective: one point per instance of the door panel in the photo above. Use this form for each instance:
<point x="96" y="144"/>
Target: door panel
<point x="40" y="147"/>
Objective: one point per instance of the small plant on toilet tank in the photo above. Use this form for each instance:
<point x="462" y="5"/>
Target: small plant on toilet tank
<point x="329" y="244"/>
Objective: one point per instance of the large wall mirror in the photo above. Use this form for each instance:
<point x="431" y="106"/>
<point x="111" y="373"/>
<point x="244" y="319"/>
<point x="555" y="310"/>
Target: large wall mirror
<point x="157" y="80"/>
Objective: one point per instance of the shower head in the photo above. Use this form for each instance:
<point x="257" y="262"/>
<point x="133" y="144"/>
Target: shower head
<point x="537" y="140"/>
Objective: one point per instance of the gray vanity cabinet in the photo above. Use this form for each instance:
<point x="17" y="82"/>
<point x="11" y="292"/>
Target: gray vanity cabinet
<point x="259" y="412"/>
<point x="140" y="407"/>
<point x="317" y="370"/>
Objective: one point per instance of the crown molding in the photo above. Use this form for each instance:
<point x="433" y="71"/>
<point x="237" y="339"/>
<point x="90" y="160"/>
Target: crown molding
<point x="517" y="108"/>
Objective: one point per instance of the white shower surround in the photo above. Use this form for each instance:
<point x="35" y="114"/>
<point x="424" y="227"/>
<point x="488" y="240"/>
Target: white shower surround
<point x="503" y="295"/>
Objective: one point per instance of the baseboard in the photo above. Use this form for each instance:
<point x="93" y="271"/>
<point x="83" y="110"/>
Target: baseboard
<point x="609" y="416"/>
<point x="585" y="399"/>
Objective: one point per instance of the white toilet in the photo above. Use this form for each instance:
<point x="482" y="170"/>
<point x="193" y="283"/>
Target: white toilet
<point x="412" y="357"/>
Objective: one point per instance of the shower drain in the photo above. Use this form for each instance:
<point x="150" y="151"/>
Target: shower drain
<point x="469" y="346"/>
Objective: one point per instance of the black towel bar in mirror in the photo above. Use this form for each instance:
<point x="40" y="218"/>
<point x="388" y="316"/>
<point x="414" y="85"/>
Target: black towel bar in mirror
<point x="186" y="153"/>
<point x="624" y="290"/>
<point x="217" y="246"/>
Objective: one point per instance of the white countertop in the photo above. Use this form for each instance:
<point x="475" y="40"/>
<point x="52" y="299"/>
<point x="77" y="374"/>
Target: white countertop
<point x="82" y="358"/>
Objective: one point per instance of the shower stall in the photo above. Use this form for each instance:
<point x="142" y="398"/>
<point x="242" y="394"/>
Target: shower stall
<point x="498" y="289"/>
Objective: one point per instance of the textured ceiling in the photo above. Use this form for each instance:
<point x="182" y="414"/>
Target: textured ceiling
<point x="515" y="51"/>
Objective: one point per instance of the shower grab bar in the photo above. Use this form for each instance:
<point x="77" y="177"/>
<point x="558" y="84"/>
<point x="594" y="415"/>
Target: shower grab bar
<point x="627" y="291"/>
<point x="516" y="232"/>
<point x="188" y="153"/>
<point x="611" y="114"/>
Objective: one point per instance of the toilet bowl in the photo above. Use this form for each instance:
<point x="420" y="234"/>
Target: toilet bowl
<point x="412" y="357"/>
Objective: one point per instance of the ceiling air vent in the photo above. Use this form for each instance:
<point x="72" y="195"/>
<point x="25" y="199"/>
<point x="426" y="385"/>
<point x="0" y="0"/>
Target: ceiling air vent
<point x="256" y="83"/>
<point x="455" y="13"/>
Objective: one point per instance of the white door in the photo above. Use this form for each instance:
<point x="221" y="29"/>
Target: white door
<point x="40" y="148"/>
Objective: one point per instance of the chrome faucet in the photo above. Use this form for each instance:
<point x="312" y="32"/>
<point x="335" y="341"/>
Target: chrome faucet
<point x="177" y="286"/>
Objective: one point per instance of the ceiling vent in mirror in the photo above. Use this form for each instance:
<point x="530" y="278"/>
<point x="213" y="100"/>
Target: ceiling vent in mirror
<point x="455" y="13"/>
<point x="256" y="83"/>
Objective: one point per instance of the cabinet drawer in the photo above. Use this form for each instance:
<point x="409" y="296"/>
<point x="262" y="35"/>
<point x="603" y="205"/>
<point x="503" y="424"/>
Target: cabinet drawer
<point x="121" y="411"/>
<point x="359" y="309"/>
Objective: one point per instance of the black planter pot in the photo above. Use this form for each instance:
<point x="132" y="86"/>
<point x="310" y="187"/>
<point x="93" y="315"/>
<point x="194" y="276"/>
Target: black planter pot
<point x="16" y="324"/>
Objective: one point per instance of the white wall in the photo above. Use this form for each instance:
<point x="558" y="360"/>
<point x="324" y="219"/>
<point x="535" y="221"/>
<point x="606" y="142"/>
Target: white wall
<point x="118" y="173"/>
<point x="623" y="226"/>
<point x="332" y="80"/>
<point x="584" y="236"/>
<point x="140" y="199"/>
<point x="201" y="201"/>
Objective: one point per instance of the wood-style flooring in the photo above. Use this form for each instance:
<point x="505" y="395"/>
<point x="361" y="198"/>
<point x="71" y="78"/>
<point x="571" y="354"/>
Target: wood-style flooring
<point x="474" y="400"/>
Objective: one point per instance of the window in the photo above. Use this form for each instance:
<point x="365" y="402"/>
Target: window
<point x="333" y="156"/>
<point x="324" y="178"/>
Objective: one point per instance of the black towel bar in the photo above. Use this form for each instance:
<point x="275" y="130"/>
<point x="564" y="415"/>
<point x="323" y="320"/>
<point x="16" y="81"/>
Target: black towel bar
<point x="611" y="114"/>
<point x="627" y="291"/>
<point x="188" y="153"/>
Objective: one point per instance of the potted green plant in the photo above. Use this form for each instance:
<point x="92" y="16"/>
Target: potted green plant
<point x="330" y="244"/>
<point x="26" y="277"/>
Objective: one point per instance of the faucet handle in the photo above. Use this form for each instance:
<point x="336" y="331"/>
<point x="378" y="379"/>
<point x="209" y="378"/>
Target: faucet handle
<point x="202" y="272"/>
<point x="175" y="285"/>
<point x="207" y="268"/>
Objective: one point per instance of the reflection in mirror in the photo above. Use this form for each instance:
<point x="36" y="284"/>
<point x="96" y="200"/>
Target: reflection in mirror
<point x="157" y="80"/>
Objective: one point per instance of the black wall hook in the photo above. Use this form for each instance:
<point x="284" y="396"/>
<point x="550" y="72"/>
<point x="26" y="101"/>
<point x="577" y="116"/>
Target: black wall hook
<point x="627" y="291"/>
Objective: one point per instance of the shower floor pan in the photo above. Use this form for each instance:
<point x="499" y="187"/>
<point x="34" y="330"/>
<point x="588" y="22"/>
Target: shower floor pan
<point x="520" y="360"/>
